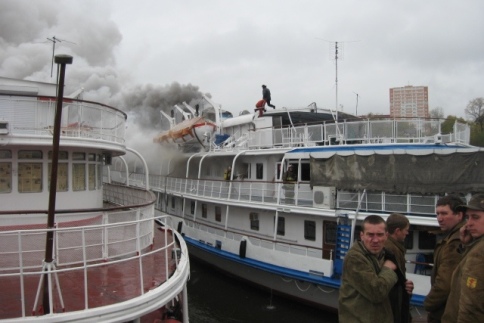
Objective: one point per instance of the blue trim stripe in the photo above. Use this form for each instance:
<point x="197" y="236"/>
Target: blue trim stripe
<point x="282" y="271"/>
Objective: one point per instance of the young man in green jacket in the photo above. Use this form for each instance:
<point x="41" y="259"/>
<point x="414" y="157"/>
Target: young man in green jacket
<point x="367" y="277"/>
<point x="398" y="227"/>
<point x="446" y="256"/>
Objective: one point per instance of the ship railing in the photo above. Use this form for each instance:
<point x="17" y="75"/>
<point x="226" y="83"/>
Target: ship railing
<point x="27" y="116"/>
<point x="369" y="131"/>
<point x="103" y="243"/>
<point x="422" y="206"/>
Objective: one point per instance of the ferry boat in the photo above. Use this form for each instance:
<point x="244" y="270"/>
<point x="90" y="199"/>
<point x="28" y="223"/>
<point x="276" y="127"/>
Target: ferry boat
<point x="290" y="237"/>
<point x="114" y="259"/>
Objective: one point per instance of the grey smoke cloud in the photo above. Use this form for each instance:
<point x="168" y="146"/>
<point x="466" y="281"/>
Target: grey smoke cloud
<point x="87" y="33"/>
<point x="91" y="37"/>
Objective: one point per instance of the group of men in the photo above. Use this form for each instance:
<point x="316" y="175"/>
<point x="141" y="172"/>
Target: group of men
<point x="374" y="287"/>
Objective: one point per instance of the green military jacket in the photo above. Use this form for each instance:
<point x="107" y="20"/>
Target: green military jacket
<point x="466" y="298"/>
<point x="365" y="284"/>
<point x="446" y="259"/>
<point x="398" y="249"/>
<point x="399" y="297"/>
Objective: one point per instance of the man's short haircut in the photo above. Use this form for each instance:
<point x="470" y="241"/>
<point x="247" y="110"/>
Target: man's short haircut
<point x="373" y="219"/>
<point x="453" y="201"/>
<point x="396" y="221"/>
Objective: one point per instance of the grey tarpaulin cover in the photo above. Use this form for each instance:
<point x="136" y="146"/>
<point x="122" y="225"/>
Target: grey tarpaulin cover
<point x="401" y="173"/>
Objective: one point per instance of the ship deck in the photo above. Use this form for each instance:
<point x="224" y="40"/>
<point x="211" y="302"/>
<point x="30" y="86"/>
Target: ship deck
<point x="102" y="284"/>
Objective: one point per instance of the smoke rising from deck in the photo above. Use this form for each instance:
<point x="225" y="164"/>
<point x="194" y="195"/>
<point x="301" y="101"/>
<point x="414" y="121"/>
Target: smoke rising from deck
<point x="92" y="39"/>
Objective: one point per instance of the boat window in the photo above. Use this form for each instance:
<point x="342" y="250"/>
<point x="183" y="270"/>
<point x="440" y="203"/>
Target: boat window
<point x="204" y="210"/>
<point x="62" y="155"/>
<point x="99" y="176"/>
<point x="78" y="156"/>
<point x="5" y="177"/>
<point x="409" y="240"/>
<point x="218" y="214"/>
<point x="5" y="154"/>
<point x="91" y="157"/>
<point x="426" y="240"/>
<point x="30" y="154"/>
<point x="79" y="177"/>
<point x="281" y="226"/>
<point x="310" y="230"/>
<point x="329" y="232"/>
<point x="245" y="171"/>
<point x="92" y="176"/>
<point x="173" y="202"/>
<point x="254" y="221"/>
<point x="62" y="178"/>
<point x="259" y="171"/>
<point x="192" y="207"/>
<point x="29" y="177"/>
<point x="305" y="174"/>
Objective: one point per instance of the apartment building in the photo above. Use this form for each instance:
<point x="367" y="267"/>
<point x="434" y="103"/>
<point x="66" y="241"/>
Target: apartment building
<point x="409" y="101"/>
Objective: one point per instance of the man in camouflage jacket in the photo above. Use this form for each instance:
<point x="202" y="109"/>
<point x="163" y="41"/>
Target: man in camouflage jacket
<point x="367" y="277"/>
<point x="466" y="298"/>
<point x="446" y="257"/>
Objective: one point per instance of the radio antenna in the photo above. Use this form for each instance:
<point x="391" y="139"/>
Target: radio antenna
<point x="338" y="54"/>
<point x="55" y="40"/>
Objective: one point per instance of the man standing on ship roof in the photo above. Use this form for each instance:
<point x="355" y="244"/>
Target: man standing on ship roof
<point x="266" y="96"/>
<point x="446" y="256"/>
<point x="367" y="277"/>
<point x="398" y="227"/>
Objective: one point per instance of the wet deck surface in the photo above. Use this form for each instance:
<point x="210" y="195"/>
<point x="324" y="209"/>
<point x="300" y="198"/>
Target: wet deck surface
<point x="107" y="284"/>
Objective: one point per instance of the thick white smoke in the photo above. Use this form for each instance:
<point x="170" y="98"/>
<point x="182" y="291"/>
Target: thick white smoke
<point x="84" y="30"/>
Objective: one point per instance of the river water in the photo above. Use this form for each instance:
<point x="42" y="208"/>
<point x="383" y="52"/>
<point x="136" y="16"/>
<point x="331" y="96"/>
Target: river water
<point x="216" y="298"/>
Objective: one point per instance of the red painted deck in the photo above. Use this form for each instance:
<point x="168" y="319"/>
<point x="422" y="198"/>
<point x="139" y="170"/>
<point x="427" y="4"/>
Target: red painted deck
<point x="107" y="284"/>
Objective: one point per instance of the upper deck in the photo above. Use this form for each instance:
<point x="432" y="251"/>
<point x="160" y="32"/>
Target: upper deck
<point x="306" y="129"/>
<point x="29" y="119"/>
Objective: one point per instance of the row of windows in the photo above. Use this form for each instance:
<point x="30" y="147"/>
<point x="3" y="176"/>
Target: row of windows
<point x="309" y="226"/>
<point x="30" y="171"/>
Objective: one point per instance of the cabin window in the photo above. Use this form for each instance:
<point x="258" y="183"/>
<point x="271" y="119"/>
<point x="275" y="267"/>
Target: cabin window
<point x="310" y="230"/>
<point x="5" y="177"/>
<point x="409" y="240"/>
<point x="30" y="173"/>
<point x="281" y="226"/>
<point x="259" y="171"/>
<point x="99" y="176"/>
<point x="305" y="173"/>
<point x="245" y="171"/>
<point x="79" y="177"/>
<point x="62" y="171"/>
<point x="426" y="240"/>
<point x="173" y="202"/>
<point x="204" y="210"/>
<point x="5" y="172"/>
<point x="91" y="175"/>
<point x="329" y="232"/>
<point x="62" y="177"/>
<point x="254" y="221"/>
<point x="192" y="207"/>
<point x="62" y="155"/>
<point x="218" y="214"/>
<point x="78" y="156"/>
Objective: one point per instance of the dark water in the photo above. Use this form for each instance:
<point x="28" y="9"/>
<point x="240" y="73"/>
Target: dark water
<point x="216" y="298"/>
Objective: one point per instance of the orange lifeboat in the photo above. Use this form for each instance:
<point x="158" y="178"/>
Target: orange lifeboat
<point x="187" y="131"/>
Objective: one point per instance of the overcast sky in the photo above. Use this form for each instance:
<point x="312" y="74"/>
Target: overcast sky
<point x="230" y="48"/>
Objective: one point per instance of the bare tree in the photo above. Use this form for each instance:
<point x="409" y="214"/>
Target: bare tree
<point x="475" y="111"/>
<point x="437" y="113"/>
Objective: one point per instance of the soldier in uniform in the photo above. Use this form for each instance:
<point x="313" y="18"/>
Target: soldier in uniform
<point x="367" y="277"/>
<point x="446" y="257"/>
<point x="466" y="298"/>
